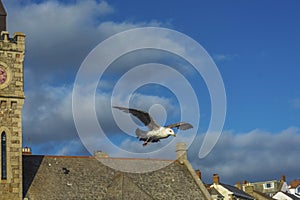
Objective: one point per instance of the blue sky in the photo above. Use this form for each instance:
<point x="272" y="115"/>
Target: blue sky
<point x="255" y="45"/>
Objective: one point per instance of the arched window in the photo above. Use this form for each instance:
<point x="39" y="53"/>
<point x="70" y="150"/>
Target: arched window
<point x="3" y="155"/>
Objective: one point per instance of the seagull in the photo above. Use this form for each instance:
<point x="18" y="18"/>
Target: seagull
<point x="156" y="132"/>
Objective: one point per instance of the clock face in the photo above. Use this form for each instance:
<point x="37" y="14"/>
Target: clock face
<point x="3" y="76"/>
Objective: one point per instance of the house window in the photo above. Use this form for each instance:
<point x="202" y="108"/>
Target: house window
<point x="298" y="190"/>
<point x="269" y="185"/>
<point x="3" y="156"/>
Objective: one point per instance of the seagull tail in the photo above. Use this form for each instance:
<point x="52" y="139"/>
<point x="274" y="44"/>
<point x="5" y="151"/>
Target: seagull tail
<point x="140" y="134"/>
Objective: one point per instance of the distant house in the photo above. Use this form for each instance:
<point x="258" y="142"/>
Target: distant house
<point x="269" y="188"/>
<point x="227" y="191"/>
<point x="294" y="187"/>
<point x="285" y="196"/>
<point x="249" y="189"/>
<point x="61" y="177"/>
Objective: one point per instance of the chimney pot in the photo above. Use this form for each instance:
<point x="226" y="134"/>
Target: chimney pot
<point x="100" y="154"/>
<point x="26" y="151"/>
<point x="238" y="185"/>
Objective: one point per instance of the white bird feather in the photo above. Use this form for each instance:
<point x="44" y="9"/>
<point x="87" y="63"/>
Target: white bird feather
<point x="156" y="132"/>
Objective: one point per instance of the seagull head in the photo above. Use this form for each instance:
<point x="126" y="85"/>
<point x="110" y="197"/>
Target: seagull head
<point x="170" y="132"/>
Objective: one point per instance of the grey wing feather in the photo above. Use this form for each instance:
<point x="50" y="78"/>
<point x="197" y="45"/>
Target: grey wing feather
<point x="180" y="125"/>
<point x="142" y="116"/>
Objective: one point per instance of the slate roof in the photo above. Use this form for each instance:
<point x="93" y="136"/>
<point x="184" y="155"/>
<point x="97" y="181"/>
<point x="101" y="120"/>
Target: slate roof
<point x="59" y="177"/>
<point x="237" y="192"/>
<point x="291" y="196"/>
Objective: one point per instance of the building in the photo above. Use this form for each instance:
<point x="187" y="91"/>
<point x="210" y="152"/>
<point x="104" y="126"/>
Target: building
<point x="215" y="195"/>
<point x="11" y="102"/>
<point x="266" y="188"/>
<point x="249" y="189"/>
<point x="30" y="176"/>
<point x="227" y="191"/>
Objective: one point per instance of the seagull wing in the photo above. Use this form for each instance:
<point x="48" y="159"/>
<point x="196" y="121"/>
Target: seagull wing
<point x="142" y="116"/>
<point x="180" y="125"/>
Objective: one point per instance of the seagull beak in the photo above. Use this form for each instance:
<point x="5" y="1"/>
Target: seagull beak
<point x="174" y="135"/>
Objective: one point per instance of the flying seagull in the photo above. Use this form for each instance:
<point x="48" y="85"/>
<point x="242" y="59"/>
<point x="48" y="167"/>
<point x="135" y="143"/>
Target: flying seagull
<point x="156" y="132"/>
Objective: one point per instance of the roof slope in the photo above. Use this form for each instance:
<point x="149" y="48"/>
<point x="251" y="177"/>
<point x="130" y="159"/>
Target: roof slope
<point x="260" y="195"/>
<point x="123" y="187"/>
<point x="213" y="192"/>
<point x="294" y="183"/>
<point x="291" y="196"/>
<point x="237" y="192"/>
<point x="285" y="195"/>
<point x="57" y="177"/>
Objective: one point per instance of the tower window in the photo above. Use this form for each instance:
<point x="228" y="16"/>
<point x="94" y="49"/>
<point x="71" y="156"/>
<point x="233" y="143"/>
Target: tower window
<point x="3" y="156"/>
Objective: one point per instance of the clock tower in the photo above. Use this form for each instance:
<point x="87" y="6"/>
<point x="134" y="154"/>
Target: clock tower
<point x="12" y="51"/>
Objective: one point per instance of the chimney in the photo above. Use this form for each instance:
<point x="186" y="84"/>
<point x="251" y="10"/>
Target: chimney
<point x="283" y="179"/>
<point x="100" y="154"/>
<point x="198" y="172"/>
<point x="26" y="151"/>
<point x="238" y="185"/>
<point x="181" y="152"/>
<point x="249" y="189"/>
<point x="216" y="179"/>
<point x="2" y="17"/>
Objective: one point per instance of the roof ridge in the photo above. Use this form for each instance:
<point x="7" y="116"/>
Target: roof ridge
<point x="107" y="158"/>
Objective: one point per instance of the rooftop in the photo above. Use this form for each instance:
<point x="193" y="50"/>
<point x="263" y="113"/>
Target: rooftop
<point x="77" y="177"/>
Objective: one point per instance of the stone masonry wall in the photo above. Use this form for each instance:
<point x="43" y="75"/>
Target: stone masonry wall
<point x="11" y="104"/>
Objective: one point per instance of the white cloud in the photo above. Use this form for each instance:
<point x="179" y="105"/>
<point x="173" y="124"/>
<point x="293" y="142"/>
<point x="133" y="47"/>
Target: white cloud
<point x="48" y="116"/>
<point x="60" y="35"/>
<point x="254" y="156"/>
<point x="295" y="103"/>
<point x="109" y="27"/>
<point x="224" y="57"/>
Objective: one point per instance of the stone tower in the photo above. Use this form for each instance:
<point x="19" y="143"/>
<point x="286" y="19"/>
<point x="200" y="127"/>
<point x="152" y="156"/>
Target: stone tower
<point x="11" y="102"/>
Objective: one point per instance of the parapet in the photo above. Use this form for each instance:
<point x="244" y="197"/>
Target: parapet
<point x="16" y="43"/>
